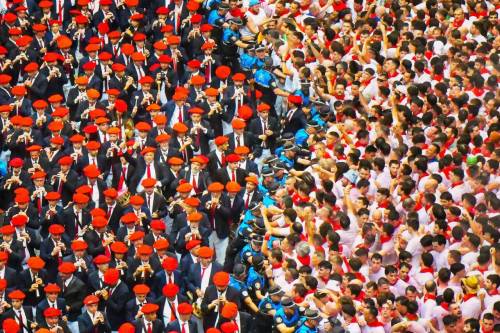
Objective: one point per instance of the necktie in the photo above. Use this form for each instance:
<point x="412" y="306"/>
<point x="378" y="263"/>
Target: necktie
<point x="195" y="185"/>
<point x="183" y="328"/>
<point x="233" y="176"/>
<point x="150" y="203"/>
<point x="247" y="201"/>
<point x="110" y="211"/>
<point x="139" y="73"/>
<point x="207" y="72"/>
<point x="172" y="311"/>
<point x="122" y="178"/>
<point x="197" y="139"/>
<point x="20" y="318"/>
<point x="203" y="269"/>
<point x="149" y="170"/>
<point x="179" y="110"/>
<point x="237" y="141"/>
<point x="39" y="204"/>
<point x="60" y="10"/>
<point x="59" y="186"/>
<point x="93" y="161"/>
<point x="237" y="327"/>
<point x="107" y="252"/>
<point x="264" y="129"/>
<point x="184" y="152"/>
<point x="212" y="215"/>
<point x="223" y="159"/>
<point x="150" y="328"/>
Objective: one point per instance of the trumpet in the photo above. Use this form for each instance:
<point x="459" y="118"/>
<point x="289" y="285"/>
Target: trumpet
<point x="50" y="213"/>
<point x="38" y="282"/>
<point x="99" y="317"/>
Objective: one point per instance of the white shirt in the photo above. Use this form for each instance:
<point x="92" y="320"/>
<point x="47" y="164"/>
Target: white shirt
<point x="205" y="279"/>
<point x="167" y="311"/>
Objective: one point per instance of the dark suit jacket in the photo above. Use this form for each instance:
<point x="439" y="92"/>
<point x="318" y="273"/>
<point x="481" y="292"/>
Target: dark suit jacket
<point x="44" y="304"/>
<point x="86" y="325"/>
<point x="194" y="276"/>
<point x="175" y="326"/>
<point x="157" y="326"/>
<point x="24" y="282"/>
<point x="115" y="306"/>
<point x="295" y="122"/>
<point x="201" y="139"/>
<point x="256" y="128"/>
<point x="141" y="171"/>
<point x="211" y="294"/>
<point x="219" y="217"/>
<point x="74" y="295"/>
<point x="201" y="183"/>
<point x="132" y="307"/>
<point x="27" y="316"/>
<point x="11" y="277"/>
<point x="180" y="243"/>
<point x="160" y="205"/>
<point x="70" y="221"/>
<point x="223" y="176"/>
<point x="246" y="322"/>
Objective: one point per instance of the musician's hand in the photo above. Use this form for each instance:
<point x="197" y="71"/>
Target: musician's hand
<point x="263" y="137"/>
<point x="199" y="293"/>
<point x="34" y="287"/>
<point x="139" y="315"/>
<point x="55" y="251"/>
<point x="105" y="294"/>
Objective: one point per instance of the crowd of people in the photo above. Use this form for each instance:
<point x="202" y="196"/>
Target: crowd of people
<point x="248" y="166"/>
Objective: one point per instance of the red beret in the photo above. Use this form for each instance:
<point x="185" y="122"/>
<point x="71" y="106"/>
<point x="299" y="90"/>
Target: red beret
<point x="67" y="267"/>
<point x="170" y="290"/>
<point x="185" y="309"/>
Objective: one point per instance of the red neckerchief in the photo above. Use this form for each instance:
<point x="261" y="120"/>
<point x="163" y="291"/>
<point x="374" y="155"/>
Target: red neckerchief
<point x="427" y="270"/>
<point x="455" y="184"/>
<point x="493" y="293"/>
<point x="447" y="170"/>
<point x="406" y="279"/>
<point x="375" y="323"/>
<point x="277" y="265"/>
<point x="360" y="297"/>
<point x="429" y="296"/>
<point x="384" y="204"/>
<point x="325" y="279"/>
<point x="385" y="239"/>
<point x="393" y="283"/>
<point x="428" y="54"/>
<point x="445" y="306"/>
<point x="488" y="331"/>
<point x="392" y="75"/>
<point x="411" y="317"/>
<point x="339" y="97"/>
<point x="296" y="14"/>
<point x="367" y="82"/>
<point x="484" y="71"/>
<point x="478" y="92"/>
<point x="360" y="144"/>
<point x="298" y="299"/>
<point x="360" y="277"/>
<point x="305" y="261"/>
<point x="437" y="77"/>
<point x="458" y="23"/>
<point x="468" y="297"/>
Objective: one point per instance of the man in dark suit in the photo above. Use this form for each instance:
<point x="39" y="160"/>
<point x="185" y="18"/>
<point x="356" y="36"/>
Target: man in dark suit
<point x="22" y="314"/>
<point x="200" y="130"/>
<point x="51" y="300"/>
<point x="136" y="303"/>
<point x="184" y="323"/>
<point x="141" y="269"/>
<point x="265" y="129"/>
<point x="149" y="321"/>
<point x="31" y="281"/>
<point x="114" y="211"/>
<point x="213" y="294"/>
<point x="169" y="302"/>
<point x="92" y="321"/>
<point x="115" y="297"/>
<point x="235" y="96"/>
<point x="154" y="200"/>
<point x="123" y="173"/>
<point x="13" y="247"/>
<point x="295" y="118"/>
<point x="147" y="167"/>
<point x="232" y="172"/>
<point x="35" y="82"/>
<point x="239" y="137"/>
<point x="201" y="274"/>
<point x="75" y="217"/>
<point x="232" y="317"/>
<point x="73" y="291"/>
<point x="192" y="231"/>
<point x="195" y="176"/>
<point x="250" y="193"/>
<point x="54" y="322"/>
<point x="52" y="250"/>
<point x="98" y="238"/>
<point x="217" y="157"/>
<point x="64" y="179"/>
<point x="10" y="276"/>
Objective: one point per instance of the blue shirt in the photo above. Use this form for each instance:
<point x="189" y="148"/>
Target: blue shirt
<point x="230" y="36"/>
<point x="247" y="62"/>
<point x="214" y="16"/>
<point x="305" y="329"/>
<point x="281" y="318"/>
<point x="264" y="78"/>
<point x="255" y="281"/>
<point x="301" y="137"/>
<point x="288" y="162"/>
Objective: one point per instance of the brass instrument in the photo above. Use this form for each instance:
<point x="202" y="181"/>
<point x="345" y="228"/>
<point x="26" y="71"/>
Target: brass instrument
<point x="124" y="199"/>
